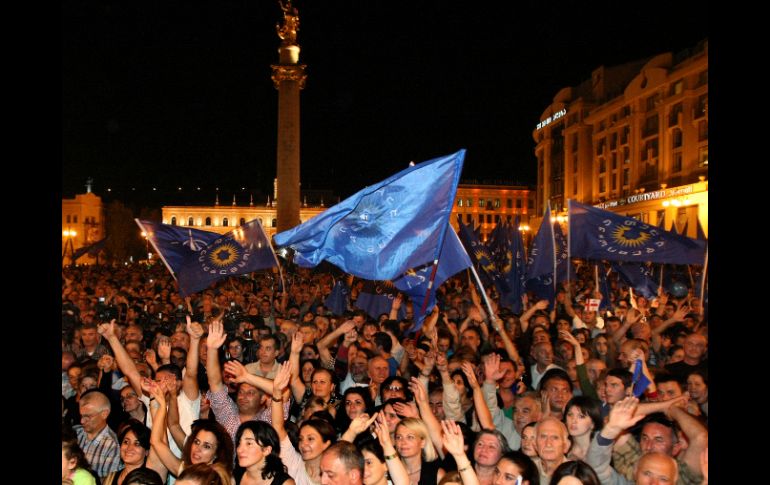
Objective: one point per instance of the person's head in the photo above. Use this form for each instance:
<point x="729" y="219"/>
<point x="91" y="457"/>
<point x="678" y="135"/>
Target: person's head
<point x="356" y="401"/>
<point x="599" y="345"/>
<point x="698" y="386"/>
<point x="178" y="356"/>
<point x="395" y="386"/>
<point x="73" y="374"/>
<point x="315" y="435"/>
<point x="542" y="353"/>
<point x="308" y="331"/>
<point x="694" y="348"/>
<point x="89" y="335"/>
<point x="436" y="402"/>
<point x="675" y="354"/>
<point x="204" y="474"/>
<point x="342" y="464"/>
<point x="659" y="434"/>
<point x="461" y="383"/>
<point x="180" y="339"/>
<point x="583" y="415"/>
<point x="133" y="333"/>
<point x="67" y="359"/>
<point x="558" y="386"/>
<point x="309" y="351"/>
<point x="411" y="438"/>
<point x="378" y="370"/>
<point x="208" y="443"/>
<point x="235" y="348"/>
<point x="575" y="472"/>
<point x="359" y="367"/>
<point x="594" y="368"/>
<point x="529" y="440"/>
<point x="94" y="409"/>
<point x="627" y="347"/>
<point x="258" y="446"/>
<point x="322" y="383"/>
<point x="268" y="349"/>
<point x="134" y="439"/>
<point x="618" y="385"/>
<point x="471" y="337"/>
<point x="526" y="410"/>
<point x="143" y="476"/>
<point x="169" y="374"/>
<point x="88" y="380"/>
<point x="489" y="446"/>
<point x="514" y="464"/>
<point x="72" y="456"/>
<point x="249" y="398"/>
<point x="551" y="439"/>
<point x="669" y="386"/>
<point x="370" y="328"/>
<point x="655" y="468"/>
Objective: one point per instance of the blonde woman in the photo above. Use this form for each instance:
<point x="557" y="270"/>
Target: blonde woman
<point x="417" y="452"/>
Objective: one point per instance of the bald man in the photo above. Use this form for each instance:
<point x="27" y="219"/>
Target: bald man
<point x="655" y="468"/>
<point x="342" y="464"/>
<point x="552" y="443"/>
<point x="96" y="439"/>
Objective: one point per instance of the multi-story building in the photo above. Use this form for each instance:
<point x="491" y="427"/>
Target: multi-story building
<point x="486" y="205"/>
<point x="632" y="139"/>
<point x="82" y="223"/>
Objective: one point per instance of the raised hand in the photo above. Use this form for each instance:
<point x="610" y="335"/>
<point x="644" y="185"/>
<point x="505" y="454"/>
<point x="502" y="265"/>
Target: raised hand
<point x="452" y="439"/>
<point x="428" y="362"/>
<point x="470" y="374"/>
<point x="217" y="335"/>
<point x="492" y="371"/>
<point x="622" y="416"/>
<point x="361" y="423"/>
<point x="408" y="410"/>
<point x="545" y="405"/>
<point x="420" y="394"/>
<point x="164" y="348"/>
<point x="567" y="335"/>
<point x="347" y="326"/>
<point x="107" y="330"/>
<point x="382" y="432"/>
<point x="195" y="329"/>
<point x="237" y="370"/>
<point x="397" y="301"/>
<point x="542" y="304"/>
<point x="105" y="363"/>
<point x="442" y="364"/>
<point x="151" y="358"/>
<point x="281" y="380"/>
<point x="297" y="341"/>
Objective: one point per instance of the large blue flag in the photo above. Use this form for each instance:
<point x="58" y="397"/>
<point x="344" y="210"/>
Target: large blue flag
<point x="482" y="260"/>
<point x="564" y="267"/>
<point x="197" y="258"/>
<point x="376" y="298"/>
<point x="600" y="234"/>
<point x="92" y="249"/>
<point x="515" y="269"/>
<point x="338" y="299"/>
<point x="385" y="229"/>
<point x="414" y="283"/>
<point x="542" y="252"/>
<point x="638" y="276"/>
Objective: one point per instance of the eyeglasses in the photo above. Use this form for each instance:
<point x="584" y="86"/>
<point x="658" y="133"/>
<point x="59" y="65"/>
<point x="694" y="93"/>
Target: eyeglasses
<point x="89" y="417"/>
<point x="128" y="396"/>
<point x="395" y="388"/>
<point x="235" y="347"/>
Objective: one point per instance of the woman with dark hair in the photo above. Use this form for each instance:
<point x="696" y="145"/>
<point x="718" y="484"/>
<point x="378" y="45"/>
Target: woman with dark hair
<point x="205" y="474"/>
<point x="583" y="418"/>
<point x="698" y="387"/>
<point x="315" y="436"/>
<point x="259" y="461"/>
<point x="574" y="473"/>
<point x="355" y="401"/>
<point x="74" y="466"/>
<point x="143" y="476"/>
<point x="515" y="464"/>
<point x="528" y="439"/>
<point x="208" y="441"/>
<point x="134" y="439"/>
<point x="466" y="393"/>
<point x="395" y="387"/>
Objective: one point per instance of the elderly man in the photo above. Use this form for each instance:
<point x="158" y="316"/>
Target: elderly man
<point x="96" y="439"/>
<point x="342" y="464"/>
<point x="695" y="346"/>
<point x="552" y="443"/>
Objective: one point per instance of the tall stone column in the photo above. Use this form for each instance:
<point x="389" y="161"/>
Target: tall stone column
<point x="288" y="78"/>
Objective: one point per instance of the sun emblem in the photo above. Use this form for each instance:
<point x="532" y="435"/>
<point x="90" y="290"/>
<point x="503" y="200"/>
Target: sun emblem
<point x="630" y="236"/>
<point x="224" y="255"/>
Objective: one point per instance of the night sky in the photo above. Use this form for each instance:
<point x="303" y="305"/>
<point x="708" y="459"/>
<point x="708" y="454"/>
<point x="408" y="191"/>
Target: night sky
<point x="168" y="94"/>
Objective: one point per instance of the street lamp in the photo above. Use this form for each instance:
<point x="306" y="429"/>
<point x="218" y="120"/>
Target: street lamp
<point x="147" y="244"/>
<point x="69" y="234"/>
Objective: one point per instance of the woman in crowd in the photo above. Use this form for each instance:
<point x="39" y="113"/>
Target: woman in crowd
<point x="583" y="420"/>
<point x="134" y="439"/>
<point x="528" y="440"/>
<point x="574" y="473"/>
<point x="355" y="401"/>
<point x="416" y="449"/>
<point x="259" y="461"/>
<point x="515" y="464"/>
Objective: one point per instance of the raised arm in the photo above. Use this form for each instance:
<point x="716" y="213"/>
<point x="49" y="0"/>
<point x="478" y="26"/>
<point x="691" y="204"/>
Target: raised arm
<point x="396" y="469"/>
<point x="524" y="320"/>
<point x="330" y="338"/>
<point x="453" y="442"/>
<point x="510" y="347"/>
<point x="190" y="381"/>
<point x="434" y="427"/>
<point x="240" y="375"/>
<point x="280" y="383"/>
<point x="297" y="386"/>
<point x="125" y="362"/>
<point x="158" y="433"/>
<point x="697" y="436"/>
<point x="172" y="416"/>
<point x="394" y="307"/>
<point x="357" y="426"/>
<point x="632" y="316"/>
<point x="215" y="340"/>
<point x="483" y="413"/>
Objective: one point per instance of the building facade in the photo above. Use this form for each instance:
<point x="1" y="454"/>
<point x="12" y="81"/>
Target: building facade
<point x="82" y="222"/>
<point x="632" y="139"/>
<point x="486" y="205"/>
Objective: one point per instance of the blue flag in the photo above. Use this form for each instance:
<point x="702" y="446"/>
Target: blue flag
<point x="700" y="234"/>
<point x="197" y="258"/>
<point x="482" y="260"/>
<point x="641" y="382"/>
<point x="564" y="268"/>
<point x="515" y="269"/>
<point x="542" y="253"/>
<point x="385" y="229"/>
<point x="338" y="299"/>
<point x="92" y="249"/>
<point x="604" y="287"/>
<point x="639" y="277"/>
<point x="376" y="298"/>
<point x="414" y="283"/>
<point x="600" y="234"/>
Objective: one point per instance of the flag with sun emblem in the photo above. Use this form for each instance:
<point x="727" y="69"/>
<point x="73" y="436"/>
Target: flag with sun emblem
<point x="198" y="258"/>
<point x="600" y="234"/>
<point x="383" y="230"/>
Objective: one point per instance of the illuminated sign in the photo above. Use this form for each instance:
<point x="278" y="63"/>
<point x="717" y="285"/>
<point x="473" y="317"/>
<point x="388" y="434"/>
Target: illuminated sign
<point x="646" y="196"/>
<point x="551" y="119"/>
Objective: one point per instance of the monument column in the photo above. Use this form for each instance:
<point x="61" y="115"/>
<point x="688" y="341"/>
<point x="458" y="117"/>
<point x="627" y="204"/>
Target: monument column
<point x="288" y="78"/>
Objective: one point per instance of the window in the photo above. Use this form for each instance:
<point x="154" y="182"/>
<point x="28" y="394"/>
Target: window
<point x="626" y="155"/>
<point x="531" y="204"/>
<point x="650" y="126"/>
<point x="489" y="218"/>
<point x="650" y="149"/>
<point x="574" y="186"/>
<point x="459" y="202"/>
<point x="173" y="221"/>
<point x="676" y="88"/>
<point x="509" y="203"/>
<point x="69" y="218"/>
<point x="275" y="223"/>
<point x="208" y="221"/>
<point x="602" y="125"/>
<point x="661" y="218"/>
<point x="497" y="218"/>
<point x="625" y="111"/>
<point x="614" y="140"/>
<point x="602" y="165"/>
<point x="703" y="156"/>
<point x="701" y="106"/>
<point x="481" y="202"/>
<point x="242" y="221"/>
<point x="190" y="221"/>
<point x="497" y="203"/>
<point x="614" y="182"/>
<point x="652" y="102"/>
<point x="600" y="146"/>
<point x="602" y="185"/>
<point x="574" y="143"/>
<point x="468" y="218"/>
<point x="574" y="166"/>
<point x="626" y="176"/>
<point x="518" y="203"/>
<point x="703" y="130"/>
<point x="225" y="222"/>
<point x="508" y="218"/>
<point x="614" y="158"/>
<point x="75" y="219"/>
<point x="673" y="117"/>
<point x="489" y="204"/>
<point x="703" y="78"/>
<point x="624" y="135"/>
<point x="676" y="138"/>
<point x="676" y="165"/>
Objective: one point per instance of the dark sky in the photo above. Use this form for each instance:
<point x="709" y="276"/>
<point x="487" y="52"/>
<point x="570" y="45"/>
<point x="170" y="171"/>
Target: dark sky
<point x="170" y="93"/>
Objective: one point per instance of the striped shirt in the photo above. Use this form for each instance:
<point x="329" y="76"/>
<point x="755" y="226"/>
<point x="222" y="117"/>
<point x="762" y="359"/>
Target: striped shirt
<point x="102" y="452"/>
<point x="226" y="411"/>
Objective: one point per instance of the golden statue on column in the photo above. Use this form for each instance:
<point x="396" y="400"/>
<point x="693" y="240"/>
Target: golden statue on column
<point x="288" y="31"/>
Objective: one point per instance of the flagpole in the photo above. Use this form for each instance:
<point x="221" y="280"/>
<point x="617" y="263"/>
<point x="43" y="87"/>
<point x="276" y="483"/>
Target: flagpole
<point x="160" y="254"/>
<point x="596" y="276"/>
<point x="569" y="243"/>
<point x="703" y="278"/>
<point x="553" y="245"/>
<point x="484" y="294"/>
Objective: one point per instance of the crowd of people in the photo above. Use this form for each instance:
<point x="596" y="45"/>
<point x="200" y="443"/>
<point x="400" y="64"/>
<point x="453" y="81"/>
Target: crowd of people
<point x="255" y="381"/>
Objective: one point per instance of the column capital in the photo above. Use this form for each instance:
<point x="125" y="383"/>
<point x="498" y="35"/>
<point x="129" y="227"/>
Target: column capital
<point x="288" y="72"/>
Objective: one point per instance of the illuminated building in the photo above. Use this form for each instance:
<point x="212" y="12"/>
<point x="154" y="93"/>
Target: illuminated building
<point x="82" y="223"/>
<point x="632" y="139"/>
<point x="485" y="205"/>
